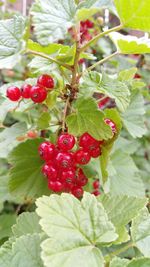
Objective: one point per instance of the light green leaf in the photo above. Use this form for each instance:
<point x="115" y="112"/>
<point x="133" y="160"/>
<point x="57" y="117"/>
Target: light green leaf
<point x="127" y="44"/>
<point x="120" y="217"/>
<point x="140" y="232"/>
<point x="12" y="34"/>
<point x="129" y="207"/>
<point x="87" y="220"/>
<point x="26" y="251"/>
<point x="8" y="138"/>
<point x="127" y="75"/>
<point x="40" y="65"/>
<point x="111" y="87"/>
<point x="88" y="118"/>
<point x="6" y="222"/>
<point x="44" y="121"/>
<point x="138" y="15"/>
<point x="133" y="119"/>
<point x="27" y="223"/>
<point x="118" y="262"/>
<point x="140" y="262"/>
<point x="6" y="254"/>
<point x="51" y="99"/>
<point x="26" y="179"/>
<point x="123" y="178"/>
<point x="74" y="228"/>
<point x="52" y="19"/>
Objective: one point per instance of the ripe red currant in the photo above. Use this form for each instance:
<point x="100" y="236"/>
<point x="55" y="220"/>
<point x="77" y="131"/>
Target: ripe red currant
<point x="89" y="24"/>
<point x="55" y="186"/>
<point x="26" y="90"/>
<point x="111" y="124"/>
<point x="88" y="142"/>
<point x="82" y="157"/>
<point x="13" y="93"/>
<point x="50" y="172"/>
<point x="46" y="81"/>
<point x="95" y="153"/>
<point x="68" y="177"/>
<point x="96" y="193"/>
<point x="64" y="160"/>
<point x="96" y="184"/>
<point x="38" y="94"/>
<point x="47" y="151"/>
<point x="66" y="142"/>
<point x="77" y="191"/>
<point x="81" y="180"/>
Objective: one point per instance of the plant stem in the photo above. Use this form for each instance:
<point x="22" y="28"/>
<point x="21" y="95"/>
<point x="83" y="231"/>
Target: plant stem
<point x="102" y="61"/>
<point x="100" y="35"/>
<point x="118" y="251"/>
<point x="65" y="114"/>
<point x="49" y="58"/>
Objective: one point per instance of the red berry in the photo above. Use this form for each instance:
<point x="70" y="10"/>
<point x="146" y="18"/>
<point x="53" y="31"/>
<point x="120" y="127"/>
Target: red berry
<point x="66" y="141"/>
<point x="96" y="184"/>
<point x="13" y="93"/>
<point x="64" y="160"/>
<point x="81" y="61"/>
<point x="137" y="76"/>
<point x="26" y="90"/>
<point x="102" y="103"/>
<point x="38" y="94"/>
<point x="95" y="153"/>
<point x="111" y="124"/>
<point x="82" y="157"/>
<point x="50" y="172"/>
<point x="96" y="193"/>
<point x="77" y="191"/>
<point x="81" y="180"/>
<point x="47" y="151"/>
<point x="68" y="178"/>
<point x="89" y="24"/>
<point x="46" y="81"/>
<point x="88" y="142"/>
<point x="55" y="186"/>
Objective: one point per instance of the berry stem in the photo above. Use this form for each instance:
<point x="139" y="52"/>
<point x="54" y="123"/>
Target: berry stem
<point x="100" y="35"/>
<point x="65" y="114"/>
<point x="49" y="58"/>
<point x="100" y="62"/>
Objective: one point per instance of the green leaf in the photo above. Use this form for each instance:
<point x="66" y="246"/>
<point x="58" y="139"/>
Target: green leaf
<point x="141" y="262"/>
<point x="51" y="99"/>
<point x="27" y="223"/>
<point x="140" y="232"/>
<point x="74" y="229"/>
<point x="49" y="50"/>
<point x="26" y="179"/>
<point x="44" y="121"/>
<point x="121" y="210"/>
<point x="118" y="262"/>
<point x="52" y="19"/>
<point x="8" y="138"/>
<point x="6" y="254"/>
<point x="6" y="222"/>
<point x="127" y="44"/>
<point x="12" y="43"/>
<point x="40" y="65"/>
<point x="123" y="180"/>
<point x="133" y="119"/>
<point x="26" y="251"/>
<point x="111" y="87"/>
<point x="138" y="15"/>
<point x="88" y="118"/>
<point x="127" y="75"/>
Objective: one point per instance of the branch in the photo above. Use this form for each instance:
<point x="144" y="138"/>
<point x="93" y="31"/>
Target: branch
<point x="100" y="35"/>
<point x="65" y="114"/>
<point x="49" y="58"/>
<point x="102" y="61"/>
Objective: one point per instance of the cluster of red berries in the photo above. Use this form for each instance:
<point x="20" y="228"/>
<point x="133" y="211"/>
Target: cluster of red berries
<point x="84" y="30"/>
<point x="63" y="166"/>
<point x="37" y="93"/>
<point x="96" y="187"/>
